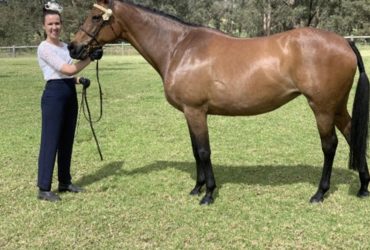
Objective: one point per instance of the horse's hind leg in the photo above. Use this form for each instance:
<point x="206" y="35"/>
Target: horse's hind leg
<point x="329" y="142"/>
<point x="343" y="123"/>
<point x="197" y="123"/>
<point x="364" y="179"/>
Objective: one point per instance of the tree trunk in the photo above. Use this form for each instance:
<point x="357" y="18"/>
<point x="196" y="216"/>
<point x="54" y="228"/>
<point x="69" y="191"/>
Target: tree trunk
<point x="267" y="18"/>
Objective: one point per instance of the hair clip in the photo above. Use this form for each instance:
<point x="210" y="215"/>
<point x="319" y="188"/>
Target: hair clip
<point x="54" y="6"/>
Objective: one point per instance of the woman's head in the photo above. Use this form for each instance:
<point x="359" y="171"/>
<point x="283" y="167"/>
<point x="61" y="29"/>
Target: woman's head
<point x="52" y="20"/>
<point x="52" y="25"/>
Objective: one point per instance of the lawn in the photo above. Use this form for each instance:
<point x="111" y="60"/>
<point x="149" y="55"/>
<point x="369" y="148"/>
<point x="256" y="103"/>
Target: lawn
<point x="266" y="167"/>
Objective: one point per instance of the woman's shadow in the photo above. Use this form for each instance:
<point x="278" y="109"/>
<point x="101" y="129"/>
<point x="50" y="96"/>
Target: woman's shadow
<point x="110" y="169"/>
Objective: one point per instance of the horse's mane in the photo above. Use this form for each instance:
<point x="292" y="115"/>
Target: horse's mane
<point x="161" y="13"/>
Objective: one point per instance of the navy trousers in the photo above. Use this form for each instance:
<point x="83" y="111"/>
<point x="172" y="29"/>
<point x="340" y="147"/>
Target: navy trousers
<point x="59" y="107"/>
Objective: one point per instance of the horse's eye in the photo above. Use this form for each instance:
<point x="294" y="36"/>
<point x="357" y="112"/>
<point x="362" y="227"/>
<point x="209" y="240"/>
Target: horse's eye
<point x="96" y="18"/>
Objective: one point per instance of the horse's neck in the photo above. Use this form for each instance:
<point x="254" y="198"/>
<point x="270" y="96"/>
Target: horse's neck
<point x="153" y="35"/>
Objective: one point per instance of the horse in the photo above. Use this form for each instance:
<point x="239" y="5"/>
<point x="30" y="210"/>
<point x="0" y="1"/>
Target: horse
<point x="207" y="72"/>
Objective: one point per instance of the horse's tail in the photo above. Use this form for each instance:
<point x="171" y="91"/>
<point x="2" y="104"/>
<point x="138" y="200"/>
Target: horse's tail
<point x="360" y="118"/>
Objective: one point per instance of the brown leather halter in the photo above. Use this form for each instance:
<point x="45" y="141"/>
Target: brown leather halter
<point x="104" y="19"/>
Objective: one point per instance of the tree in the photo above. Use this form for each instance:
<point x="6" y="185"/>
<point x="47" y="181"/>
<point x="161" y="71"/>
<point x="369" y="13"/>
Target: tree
<point x="348" y="17"/>
<point x="20" y="20"/>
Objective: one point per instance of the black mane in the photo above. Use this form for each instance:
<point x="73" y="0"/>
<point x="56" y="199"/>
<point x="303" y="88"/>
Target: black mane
<point x="161" y="13"/>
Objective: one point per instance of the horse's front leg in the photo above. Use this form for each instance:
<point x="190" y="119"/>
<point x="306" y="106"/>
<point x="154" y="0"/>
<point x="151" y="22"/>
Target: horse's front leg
<point x="201" y="179"/>
<point x="197" y="123"/>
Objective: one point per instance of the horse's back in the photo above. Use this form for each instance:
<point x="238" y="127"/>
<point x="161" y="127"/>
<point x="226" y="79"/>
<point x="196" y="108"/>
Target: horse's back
<point x="233" y="76"/>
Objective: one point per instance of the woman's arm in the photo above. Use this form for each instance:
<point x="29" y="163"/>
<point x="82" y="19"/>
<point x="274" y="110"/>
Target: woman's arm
<point x="72" y="69"/>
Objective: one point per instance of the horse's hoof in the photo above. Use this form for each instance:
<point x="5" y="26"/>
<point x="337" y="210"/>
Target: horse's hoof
<point x="316" y="200"/>
<point x="363" y="194"/>
<point x="206" y="201"/>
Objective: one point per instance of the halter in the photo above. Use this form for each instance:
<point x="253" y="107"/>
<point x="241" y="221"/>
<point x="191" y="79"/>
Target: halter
<point x="107" y="14"/>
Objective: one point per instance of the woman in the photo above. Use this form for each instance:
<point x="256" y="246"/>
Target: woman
<point x="58" y="104"/>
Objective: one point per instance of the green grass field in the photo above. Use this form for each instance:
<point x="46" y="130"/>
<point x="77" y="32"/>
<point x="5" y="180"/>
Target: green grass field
<point x="267" y="167"/>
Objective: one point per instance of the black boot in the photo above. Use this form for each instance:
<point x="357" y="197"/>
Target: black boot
<point x="69" y="188"/>
<point x="48" y="196"/>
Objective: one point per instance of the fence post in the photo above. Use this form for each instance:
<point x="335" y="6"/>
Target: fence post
<point x="13" y="50"/>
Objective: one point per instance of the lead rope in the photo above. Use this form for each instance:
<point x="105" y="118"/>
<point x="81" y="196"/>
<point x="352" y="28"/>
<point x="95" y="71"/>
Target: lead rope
<point x="86" y="109"/>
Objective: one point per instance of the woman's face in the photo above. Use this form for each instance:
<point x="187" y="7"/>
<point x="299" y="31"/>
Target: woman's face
<point x="52" y="26"/>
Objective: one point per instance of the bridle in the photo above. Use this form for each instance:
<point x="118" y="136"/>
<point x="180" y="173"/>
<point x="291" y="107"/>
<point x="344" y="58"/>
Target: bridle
<point x="103" y="21"/>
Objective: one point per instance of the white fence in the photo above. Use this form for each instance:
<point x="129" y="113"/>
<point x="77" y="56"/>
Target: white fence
<point x="14" y="51"/>
<point x="109" y="49"/>
<point x="119" y="49"/>
<point x="362" y="39"/>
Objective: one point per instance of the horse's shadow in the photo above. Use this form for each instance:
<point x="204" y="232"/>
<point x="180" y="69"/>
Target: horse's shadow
<point x="265" y="175"/>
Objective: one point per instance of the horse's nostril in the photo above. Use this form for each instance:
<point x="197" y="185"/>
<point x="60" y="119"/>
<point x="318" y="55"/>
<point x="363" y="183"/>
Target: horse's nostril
<point x="70" y="46"/>
<point x="77" y="51"/>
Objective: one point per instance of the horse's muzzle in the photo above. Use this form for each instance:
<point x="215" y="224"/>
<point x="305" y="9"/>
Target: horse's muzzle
<point x="78" y="51"/>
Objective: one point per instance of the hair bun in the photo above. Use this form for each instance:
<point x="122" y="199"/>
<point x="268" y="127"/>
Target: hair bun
<point x="53" y="6"/>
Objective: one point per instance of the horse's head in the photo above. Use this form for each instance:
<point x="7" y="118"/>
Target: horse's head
<point x="99" y="28"/>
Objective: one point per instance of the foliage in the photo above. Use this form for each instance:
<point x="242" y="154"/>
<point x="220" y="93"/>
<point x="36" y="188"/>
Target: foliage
<point x="266" y="169"/>
<point x="20" y="20"/>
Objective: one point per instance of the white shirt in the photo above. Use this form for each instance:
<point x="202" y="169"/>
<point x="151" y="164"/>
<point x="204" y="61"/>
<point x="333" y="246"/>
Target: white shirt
<point x="51" y="59"/>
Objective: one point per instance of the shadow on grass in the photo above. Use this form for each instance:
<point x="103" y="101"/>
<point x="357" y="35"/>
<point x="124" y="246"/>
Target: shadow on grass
<point x="111" y="169"/>
<point x="265" y="175"/>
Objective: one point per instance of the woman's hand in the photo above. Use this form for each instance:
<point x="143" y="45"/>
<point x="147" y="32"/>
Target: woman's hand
<point x="96" y="54"/>
<point x="84" y="81"/>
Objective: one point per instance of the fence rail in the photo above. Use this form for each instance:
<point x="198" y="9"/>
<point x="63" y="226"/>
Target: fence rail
<point x="109" y="49"/>
<point x="353" y="38"/>
<point x="119" y="49"/>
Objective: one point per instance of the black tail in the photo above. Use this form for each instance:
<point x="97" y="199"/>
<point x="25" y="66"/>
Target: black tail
<point x="360" y="118"/>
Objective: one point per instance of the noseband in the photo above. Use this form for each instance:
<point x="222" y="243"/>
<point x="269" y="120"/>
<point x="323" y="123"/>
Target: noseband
<point x="104" y="20"/>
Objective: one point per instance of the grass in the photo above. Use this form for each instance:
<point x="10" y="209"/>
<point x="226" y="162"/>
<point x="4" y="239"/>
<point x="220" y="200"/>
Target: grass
<point x="267" y="167"/>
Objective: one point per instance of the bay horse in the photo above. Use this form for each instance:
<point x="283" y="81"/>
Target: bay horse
<point x="206" y="72"/>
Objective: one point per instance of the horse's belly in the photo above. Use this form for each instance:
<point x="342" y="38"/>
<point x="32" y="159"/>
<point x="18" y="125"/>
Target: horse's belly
<point x="249" y="103"/>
